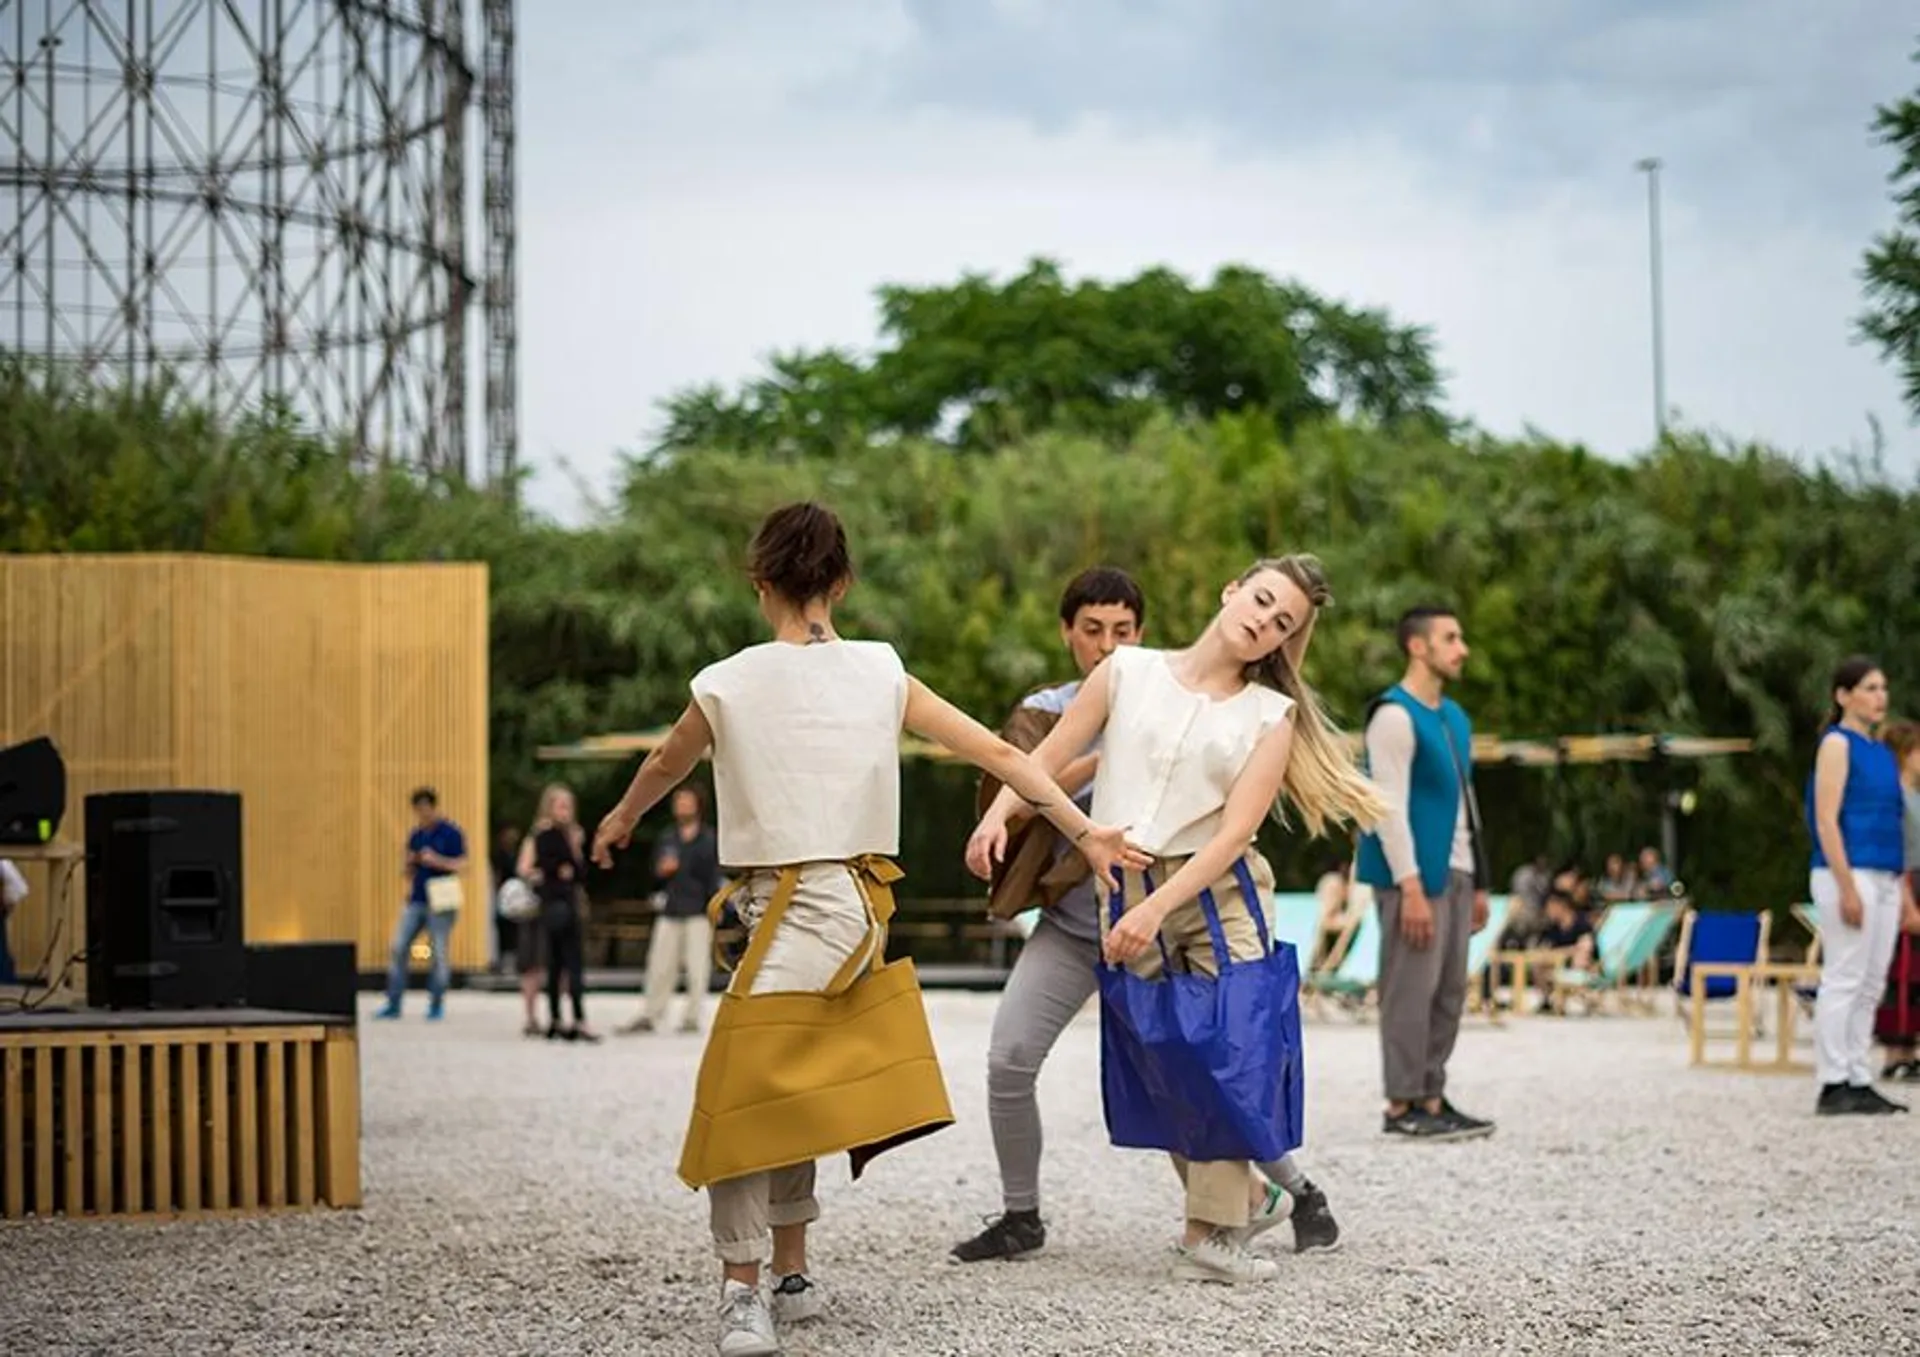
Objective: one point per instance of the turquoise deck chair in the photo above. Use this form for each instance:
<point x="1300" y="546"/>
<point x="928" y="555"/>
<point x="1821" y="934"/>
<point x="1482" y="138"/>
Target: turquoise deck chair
<point x="1613" y="947"/>
<point x="1358" y="971"/>
<point x="1480" y="947"/>
<point x="1294" y="916"/>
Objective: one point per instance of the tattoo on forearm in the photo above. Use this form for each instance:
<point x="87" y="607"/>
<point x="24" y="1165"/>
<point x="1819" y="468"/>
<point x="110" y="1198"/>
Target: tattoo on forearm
<point x="1041" y="806"/>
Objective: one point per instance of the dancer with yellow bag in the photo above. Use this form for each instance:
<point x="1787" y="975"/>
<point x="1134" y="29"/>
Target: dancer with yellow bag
<point x="821" y="1045"/>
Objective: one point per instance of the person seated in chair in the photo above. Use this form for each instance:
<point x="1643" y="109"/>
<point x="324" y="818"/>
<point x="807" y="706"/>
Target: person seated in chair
<point x="1565" y="929"/>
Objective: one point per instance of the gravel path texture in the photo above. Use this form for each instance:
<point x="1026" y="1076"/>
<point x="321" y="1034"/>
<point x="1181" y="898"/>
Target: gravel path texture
<point x="520" y="1199"/>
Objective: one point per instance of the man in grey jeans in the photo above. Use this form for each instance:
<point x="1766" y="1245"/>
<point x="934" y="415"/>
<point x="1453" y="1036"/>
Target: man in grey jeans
<point x="1428" y="871"/>
<point x="1054" y="975"/>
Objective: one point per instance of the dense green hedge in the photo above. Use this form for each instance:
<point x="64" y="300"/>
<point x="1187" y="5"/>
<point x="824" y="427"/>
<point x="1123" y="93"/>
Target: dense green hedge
<point x="1703" y="589"/>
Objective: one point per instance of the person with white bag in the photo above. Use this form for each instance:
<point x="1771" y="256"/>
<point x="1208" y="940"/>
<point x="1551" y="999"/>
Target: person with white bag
<point x="436" y="854"/>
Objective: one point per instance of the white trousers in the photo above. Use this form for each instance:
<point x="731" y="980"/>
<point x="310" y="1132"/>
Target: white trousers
<point x="679" y="947"/>
<point x="1853" y="973"/>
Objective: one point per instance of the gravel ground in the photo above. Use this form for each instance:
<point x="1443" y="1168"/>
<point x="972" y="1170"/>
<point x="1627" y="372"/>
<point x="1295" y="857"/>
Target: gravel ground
<point x="521" y="1199"/>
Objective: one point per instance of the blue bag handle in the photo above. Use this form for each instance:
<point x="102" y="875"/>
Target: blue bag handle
<point x="1210" y="909"/>
<point x="1116" y="904"/>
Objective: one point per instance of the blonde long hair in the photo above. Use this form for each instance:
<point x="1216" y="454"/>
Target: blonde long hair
<point x="543" y="813"/>
<point x="1322" y="780"/>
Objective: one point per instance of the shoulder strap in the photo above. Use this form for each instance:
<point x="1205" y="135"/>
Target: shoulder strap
<point x="1482" y="873"/>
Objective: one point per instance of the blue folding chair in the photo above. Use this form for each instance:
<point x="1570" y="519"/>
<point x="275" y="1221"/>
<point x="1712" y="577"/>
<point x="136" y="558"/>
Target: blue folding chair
<point x="1716" y="939"/>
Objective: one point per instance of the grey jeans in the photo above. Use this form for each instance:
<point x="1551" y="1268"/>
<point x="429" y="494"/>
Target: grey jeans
<point x="1052" y="979"/>
<point x="1423" y="992"/>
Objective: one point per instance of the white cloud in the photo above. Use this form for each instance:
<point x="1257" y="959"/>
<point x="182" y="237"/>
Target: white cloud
<point x="679" y="224"/>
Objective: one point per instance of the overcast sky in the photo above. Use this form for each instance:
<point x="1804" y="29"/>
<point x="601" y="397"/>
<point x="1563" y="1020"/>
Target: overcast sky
<point x="706" y="181"/>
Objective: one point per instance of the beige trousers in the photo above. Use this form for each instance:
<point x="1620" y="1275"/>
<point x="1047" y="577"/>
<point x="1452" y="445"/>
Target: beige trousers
<point x="826" y="922"/>
<point x="1219" y="1192"/>
<point x="679" y="946"/>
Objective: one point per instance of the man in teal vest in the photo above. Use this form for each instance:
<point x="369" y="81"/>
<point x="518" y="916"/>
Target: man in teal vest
<point x="1429" y="874"/>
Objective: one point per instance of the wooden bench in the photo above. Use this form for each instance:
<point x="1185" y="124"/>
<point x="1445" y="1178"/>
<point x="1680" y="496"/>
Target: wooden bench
<point x="177" y="1113"/>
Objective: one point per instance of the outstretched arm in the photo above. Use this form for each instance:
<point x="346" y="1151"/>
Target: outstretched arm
<point x="1062" y="753"/>
<point x="1252" y="796"/>
<point x="932" y="717"/>
<point x="660" y="772"/>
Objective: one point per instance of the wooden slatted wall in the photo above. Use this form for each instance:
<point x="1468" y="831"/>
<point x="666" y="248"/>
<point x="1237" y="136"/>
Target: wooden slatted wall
<point x="321" y="693"/>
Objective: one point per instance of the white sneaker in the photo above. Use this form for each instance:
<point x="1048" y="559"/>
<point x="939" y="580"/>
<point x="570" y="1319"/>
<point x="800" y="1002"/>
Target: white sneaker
<point x="1276" y="1208"/>
<point x="1217" y="1258"/>
<point x="797" y="1299"/>
<point x="746" y="1324"/>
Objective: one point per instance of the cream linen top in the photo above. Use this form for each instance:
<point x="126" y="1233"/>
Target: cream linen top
<point x="1171" y="755"/>
<point x="806" y="751"/>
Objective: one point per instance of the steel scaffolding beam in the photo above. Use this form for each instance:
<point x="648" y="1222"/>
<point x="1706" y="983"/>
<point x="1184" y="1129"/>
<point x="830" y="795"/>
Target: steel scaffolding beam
<point x="263" y="200"/>
<point x="503" y="376"/>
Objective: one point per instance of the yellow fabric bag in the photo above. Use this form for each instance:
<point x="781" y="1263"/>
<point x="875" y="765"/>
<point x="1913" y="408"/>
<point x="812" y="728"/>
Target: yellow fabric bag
<point x="788" y="1078"/>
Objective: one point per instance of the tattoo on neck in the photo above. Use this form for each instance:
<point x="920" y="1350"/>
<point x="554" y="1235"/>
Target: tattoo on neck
<point x="815" y="633"/>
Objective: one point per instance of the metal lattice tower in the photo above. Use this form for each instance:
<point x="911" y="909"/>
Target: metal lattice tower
<point x="264" y="198"/>
<point x="503" y="343"/>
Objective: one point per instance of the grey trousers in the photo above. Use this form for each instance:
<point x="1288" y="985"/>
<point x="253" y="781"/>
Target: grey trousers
<point x="1052" y="979"/>
<point x="1423" y="992"/>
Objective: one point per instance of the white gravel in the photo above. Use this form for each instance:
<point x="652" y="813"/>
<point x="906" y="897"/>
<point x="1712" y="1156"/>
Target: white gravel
<point x="521" y="1199"/>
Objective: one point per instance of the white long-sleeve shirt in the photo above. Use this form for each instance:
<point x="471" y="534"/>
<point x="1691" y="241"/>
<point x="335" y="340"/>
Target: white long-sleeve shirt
<point x="13" y="886"/>
<point x="1390" y="749"/>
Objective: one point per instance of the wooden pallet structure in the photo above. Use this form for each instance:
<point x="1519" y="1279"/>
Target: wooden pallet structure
<point x="215" y="1111"/>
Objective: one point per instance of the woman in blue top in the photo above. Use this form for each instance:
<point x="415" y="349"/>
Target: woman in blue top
<point x="1859" y="887"/>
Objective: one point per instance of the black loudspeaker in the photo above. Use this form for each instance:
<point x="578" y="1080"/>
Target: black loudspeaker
<point x="33" y="792"/>
<point x="303" y="977"/>
<point x="164" y="921"/>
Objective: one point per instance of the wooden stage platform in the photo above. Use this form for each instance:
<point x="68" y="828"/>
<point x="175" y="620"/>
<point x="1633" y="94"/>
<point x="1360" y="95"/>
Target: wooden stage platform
<point x="177" y="1113"/>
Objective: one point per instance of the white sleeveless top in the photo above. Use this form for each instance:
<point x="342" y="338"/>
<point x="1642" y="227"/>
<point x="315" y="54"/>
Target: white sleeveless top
<point x="1171" y="755"/>
<point x="806" y="751"/>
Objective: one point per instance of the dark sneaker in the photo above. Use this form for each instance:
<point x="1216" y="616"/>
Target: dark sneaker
<point x="1838" y="1100"/>
<point x="1314" y="1228"/>
<point x="1902" y="1072"/>
<point x="1416" y="1123"/>
<point x="797" y="1300"/>
<point x="1014" y="1235"/>
<point x="1874" y="1103"/>
<point x="1469" y="1127"/>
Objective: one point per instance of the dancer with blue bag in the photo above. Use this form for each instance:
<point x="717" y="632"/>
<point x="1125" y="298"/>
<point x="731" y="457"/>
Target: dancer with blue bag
<point x="1200" y="1032"/>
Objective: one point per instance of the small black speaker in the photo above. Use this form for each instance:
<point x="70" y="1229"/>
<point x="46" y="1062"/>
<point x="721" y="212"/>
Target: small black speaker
<point x="33" y="791"/>
<point x="303" y="977"/>
<point x="164" y="915"/>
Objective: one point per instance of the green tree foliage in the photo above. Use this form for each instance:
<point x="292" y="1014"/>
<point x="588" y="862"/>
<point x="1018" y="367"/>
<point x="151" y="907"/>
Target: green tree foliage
<point x="1892" y="268"/>
<point x="1703" y="589"/>
<point x="982" y="364"/>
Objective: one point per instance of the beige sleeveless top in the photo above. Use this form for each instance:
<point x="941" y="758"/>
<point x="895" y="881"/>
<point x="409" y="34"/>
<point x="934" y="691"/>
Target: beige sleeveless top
<point x="1171" y="755"/>
<point x="806" y="751"/>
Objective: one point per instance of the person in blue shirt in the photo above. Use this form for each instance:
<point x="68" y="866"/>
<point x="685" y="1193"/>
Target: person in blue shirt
<point x="435" y="848"/>
<point x="1860" y="889"/>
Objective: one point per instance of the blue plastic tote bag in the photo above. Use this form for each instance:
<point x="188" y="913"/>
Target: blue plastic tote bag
<point x="1208" y="1068"/>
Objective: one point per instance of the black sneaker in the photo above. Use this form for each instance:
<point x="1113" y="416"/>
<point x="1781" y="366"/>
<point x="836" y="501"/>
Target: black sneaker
<point x="1314" y="1228"/>
<point x="1469" y="1127"/>
<point x="1838" y="1100"/>
<point x="1874" y="1103"/>
<point x="1902" y="1072"/>
<point x="1416" y="1123"/>
<point x="1014" y="1235"/>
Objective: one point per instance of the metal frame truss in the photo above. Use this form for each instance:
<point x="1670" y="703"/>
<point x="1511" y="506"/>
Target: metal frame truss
<point x="264" y="200"/>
